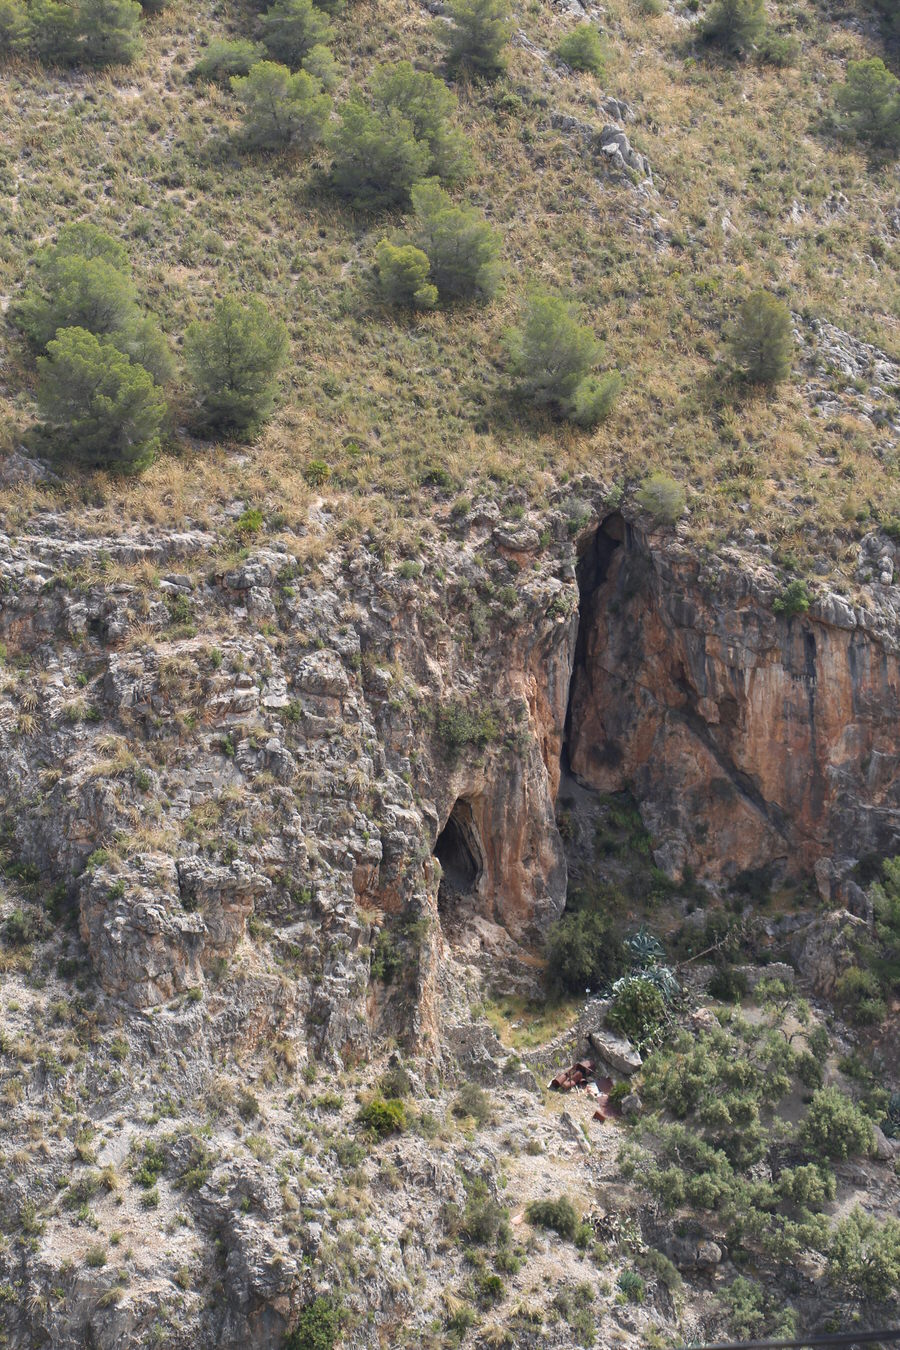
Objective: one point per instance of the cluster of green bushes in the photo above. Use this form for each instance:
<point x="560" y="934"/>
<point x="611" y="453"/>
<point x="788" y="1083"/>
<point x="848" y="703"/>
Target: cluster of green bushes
<point x="452" y="254"/>
<point x="863" y="990"/>
<point x="73" y="32"/>
<point x="727" y="1151"/>
<point x="103" y="362"/>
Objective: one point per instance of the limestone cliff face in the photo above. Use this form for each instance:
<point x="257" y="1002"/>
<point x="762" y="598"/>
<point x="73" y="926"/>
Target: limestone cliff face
<point x="748" y="738"/>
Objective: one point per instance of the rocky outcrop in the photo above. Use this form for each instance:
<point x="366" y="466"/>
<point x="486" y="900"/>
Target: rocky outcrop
<point x="749" y="738"/>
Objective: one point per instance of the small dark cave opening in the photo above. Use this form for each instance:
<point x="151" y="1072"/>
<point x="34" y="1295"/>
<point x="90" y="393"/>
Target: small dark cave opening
<point x="458" y="850"/>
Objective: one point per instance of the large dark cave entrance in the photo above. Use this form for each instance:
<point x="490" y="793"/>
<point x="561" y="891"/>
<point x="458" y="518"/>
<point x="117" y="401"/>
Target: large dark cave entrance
<point x="458" y="850"/>
<point x="591" y="572"/>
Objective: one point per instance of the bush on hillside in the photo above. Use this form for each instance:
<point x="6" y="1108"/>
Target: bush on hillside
<point x="477" y="36"/>
<point x="292" y="28"/>
<point x="551" y="355"/>
<point x="864" y="1257"/>
<point x="224" y="58"/>
<point x="111" y="31"/>
<point x="233" y="360"/>
<point x="102" y="409"/>
<point x="70" y="291"/>
<point x="762" y="340"/>
<point x="594" y="399"/>
<point x="736" y="25"/>
<point x="638" y="1010"/>
<point x="402" y="273"/>
<point x="377" y="159"/>
<point x="858" y="994"/>
<point x="869" y="103"/>
<point x="662" y="498"/>
<point x="402" y="133"/>
<point x="383" y="1116"/>
<point x="582" y="49"/>
<point x="318" y="1326"/>
<point x="14" y="28"/>
<point x="429" y="107"/>
<point x="319" y="62"/>
<point x="582" y="951"/>
<point x="82" y="281"/>
<point x="793" y="600"/>
<point x="560" y="1216"/>
<point x="462" y="248"/>
<point x="836" y="1127"/>
<point x="281" y="111"/>
<point x="87" y="32"/>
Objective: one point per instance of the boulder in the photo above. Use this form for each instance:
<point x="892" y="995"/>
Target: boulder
<point x="617" y="1052"/>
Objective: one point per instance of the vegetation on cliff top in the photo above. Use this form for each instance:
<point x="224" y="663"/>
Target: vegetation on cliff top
<point x="154" y="156"/>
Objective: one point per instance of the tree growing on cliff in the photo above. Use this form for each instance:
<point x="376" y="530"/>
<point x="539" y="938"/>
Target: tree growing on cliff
<point x="762" y="340"/>
<point x="233" y="360"/>
<point x="477" y="36"/>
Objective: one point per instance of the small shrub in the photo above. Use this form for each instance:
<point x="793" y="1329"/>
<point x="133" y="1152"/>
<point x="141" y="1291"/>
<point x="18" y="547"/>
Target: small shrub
<point x="402" y="272"/>
<point x="14" y="28"/>
<point x="232" y="360"/>
<point x="471" y="1100"/>
<point x="638" y="1010"/>
<point x="594" y="399"/>
<point x="761" y="339"/>
<point x="402" y="133"/>
<point x="582" y="49"/>
<point x="631" y="1285"/>
<point x="477" y="36"/>
<point x="89" y="32"/>
<point x="793" y="600"/>
<point x="858" y="993"/>
<point x="550" y="357"/>
<point x="864" y="1256"/>
<point x="224" y="58"/>
<point x="483" y="1217"/>
<point x="319" y="62"/>
<point x="558" y="1215"/>
<point x="383" y="1116"/>
<point x="662" y="498"/>
<point x="457" y="725"/>
<point x="95" y="1256"/>
<point x="751" y="1313"/>
<point x="582" y="951"/>
<point x="835" y="1126"/>
<point x="318" y="1326"/>
<point x="728" y="985"/>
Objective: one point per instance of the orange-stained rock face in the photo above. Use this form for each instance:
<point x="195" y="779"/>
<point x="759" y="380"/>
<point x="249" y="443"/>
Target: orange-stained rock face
<point x="747" y="738"/>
